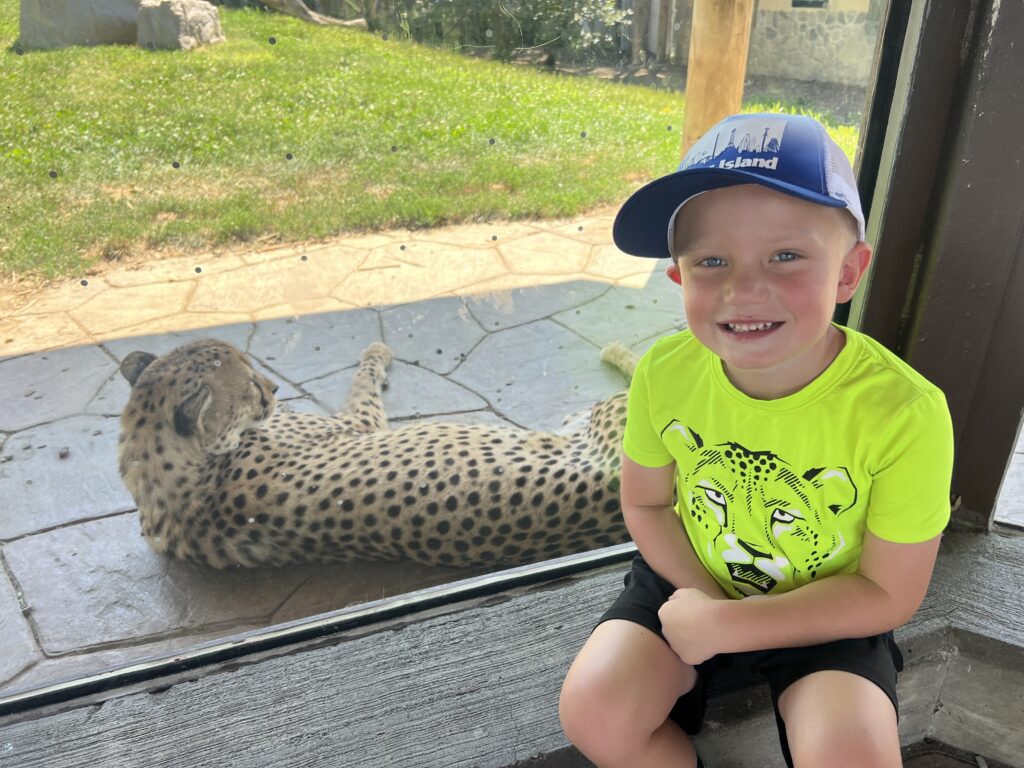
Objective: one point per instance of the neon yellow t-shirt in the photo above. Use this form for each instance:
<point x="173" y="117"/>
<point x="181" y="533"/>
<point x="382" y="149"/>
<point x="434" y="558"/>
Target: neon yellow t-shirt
<point x="776" y="493"/>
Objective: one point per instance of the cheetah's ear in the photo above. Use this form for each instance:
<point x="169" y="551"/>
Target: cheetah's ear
<point x="188" y="414"/>
<point x="134" y="364"/>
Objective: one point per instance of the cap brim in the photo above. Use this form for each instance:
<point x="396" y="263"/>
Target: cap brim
<point x="641" y="225"/>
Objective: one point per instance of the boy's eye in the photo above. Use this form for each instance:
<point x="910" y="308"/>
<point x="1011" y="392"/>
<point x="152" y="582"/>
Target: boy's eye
<point x="786" y="256"/>
<point x="711" y="261"/>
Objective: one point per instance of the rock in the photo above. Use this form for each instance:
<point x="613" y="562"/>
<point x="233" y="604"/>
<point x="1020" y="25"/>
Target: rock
<point x="57" y="23"/>
<point x="178" y="24"/>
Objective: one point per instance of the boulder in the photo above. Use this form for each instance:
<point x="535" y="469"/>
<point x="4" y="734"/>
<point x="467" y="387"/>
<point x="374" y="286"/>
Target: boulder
<point x="57" y="23"/>
<point x="178" y="24"/>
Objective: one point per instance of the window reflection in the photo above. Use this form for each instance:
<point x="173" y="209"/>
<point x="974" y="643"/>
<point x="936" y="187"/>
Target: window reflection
<point x="443" y="181"/>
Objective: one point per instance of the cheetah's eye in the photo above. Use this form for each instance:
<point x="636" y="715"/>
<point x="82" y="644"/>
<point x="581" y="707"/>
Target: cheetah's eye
<point x="784" y="516"/>
<point x="714" y="496"/>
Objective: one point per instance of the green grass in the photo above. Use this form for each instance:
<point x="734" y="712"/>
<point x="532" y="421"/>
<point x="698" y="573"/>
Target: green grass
<point x="379" y="133"/>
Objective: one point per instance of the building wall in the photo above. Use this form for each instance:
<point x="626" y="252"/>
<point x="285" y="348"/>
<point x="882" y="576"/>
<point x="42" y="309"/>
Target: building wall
<point x="823" y="45"/>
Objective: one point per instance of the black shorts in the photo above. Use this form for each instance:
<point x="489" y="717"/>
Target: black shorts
<point x="876" y="658"/>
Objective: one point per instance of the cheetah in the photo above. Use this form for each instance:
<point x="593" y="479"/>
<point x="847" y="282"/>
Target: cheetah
<point x="222" y="478"/>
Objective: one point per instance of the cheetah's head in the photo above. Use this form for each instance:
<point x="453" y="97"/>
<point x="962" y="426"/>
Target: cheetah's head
<point x="206" y="389"/>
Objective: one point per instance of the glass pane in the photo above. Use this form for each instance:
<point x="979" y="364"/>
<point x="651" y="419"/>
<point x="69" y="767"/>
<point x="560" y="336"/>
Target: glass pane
<point x="441" y="179"/>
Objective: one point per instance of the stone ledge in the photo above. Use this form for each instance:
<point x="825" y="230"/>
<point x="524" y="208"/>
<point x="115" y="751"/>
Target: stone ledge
<point x="476" y="685"/>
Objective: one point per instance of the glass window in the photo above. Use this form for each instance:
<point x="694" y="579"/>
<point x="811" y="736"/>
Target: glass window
<point x="440" y="178"/>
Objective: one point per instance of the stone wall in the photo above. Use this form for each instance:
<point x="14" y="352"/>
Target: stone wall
<point x="826" y="46"/>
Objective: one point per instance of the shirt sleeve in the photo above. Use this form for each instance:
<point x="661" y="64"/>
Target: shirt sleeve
<point x="642" y="442"/>
<point x="910" y="489"/>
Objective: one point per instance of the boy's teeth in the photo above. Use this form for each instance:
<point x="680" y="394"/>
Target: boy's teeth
<point x="748" y="327"/>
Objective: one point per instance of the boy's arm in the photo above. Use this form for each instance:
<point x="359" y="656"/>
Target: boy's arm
<point x="646" y="498"/>
<point x="885" y="592"/>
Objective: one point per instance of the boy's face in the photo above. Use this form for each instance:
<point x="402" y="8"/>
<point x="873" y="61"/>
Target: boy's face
<point x="761" y="273"/>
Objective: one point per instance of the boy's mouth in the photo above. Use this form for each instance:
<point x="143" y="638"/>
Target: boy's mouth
<point x="749" y="328"/>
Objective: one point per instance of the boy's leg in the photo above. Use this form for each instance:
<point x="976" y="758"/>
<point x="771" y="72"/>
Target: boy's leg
<point x="841" y="720"/>
<point x="836" y="703"/>
<point x="617" y="697"/>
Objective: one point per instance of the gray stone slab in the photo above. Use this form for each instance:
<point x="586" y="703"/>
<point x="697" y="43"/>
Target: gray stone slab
<point x="302" y="405"/>
<point x="435" y="334"/>
<point x="98" y="583"/>
<point x="51" y="385"/>
<point x="20" y="649"/>
<point x="236" y="334"/>
<point x="111" y="398"/>
<point x="506" y="309"/>
<point x="61" y="669"/>
<point x="537" y="374"/>
<point x="628" y="315"/>
<point x="309" y="347"/>
<point x="1010" y="503"/>
<point x="981" y="693"/>
<point x="411" y="391"/>
<point x="40" y="489"/>
<point x="340" y="585"/>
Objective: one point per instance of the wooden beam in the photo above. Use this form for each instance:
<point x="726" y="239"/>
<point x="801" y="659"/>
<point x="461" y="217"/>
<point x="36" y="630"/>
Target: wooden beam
<point x="719" y="42"/>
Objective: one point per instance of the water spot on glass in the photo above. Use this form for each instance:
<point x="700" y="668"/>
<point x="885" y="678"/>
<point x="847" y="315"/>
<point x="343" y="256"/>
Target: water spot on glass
<point x="252" y="519"/>
<point x="394" y="148"/>
<point x="53" y="174"/>
<point x="490" y="141"/>
<point x="489" y="33"/>
<point x="84" y="282"/>
<point x="583" y="134"/>
<point x="305" y="257"/>
<point x="272" y="41"/>
<point x="580" y="229"/>
<point x="668" y="127"/>
<point x="384" y="36"/>
<point x="175" y="164"/>
<point x="216" y="363"/>
<point x="494" y="237"/>
<point x="288" y="156"/>
<point x="401" y="247"/>
<point x="316" y="349"/>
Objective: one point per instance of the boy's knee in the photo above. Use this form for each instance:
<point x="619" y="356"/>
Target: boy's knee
<point x="845" y="745"/>
<point x="592" y="721"/>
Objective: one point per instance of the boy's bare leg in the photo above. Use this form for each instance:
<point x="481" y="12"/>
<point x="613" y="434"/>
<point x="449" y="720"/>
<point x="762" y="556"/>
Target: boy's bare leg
<point x="840" y="720"/>
<point x="617" y="696"/>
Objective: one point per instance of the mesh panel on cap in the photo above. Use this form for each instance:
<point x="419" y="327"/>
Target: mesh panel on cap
<point x="840" y="182"/>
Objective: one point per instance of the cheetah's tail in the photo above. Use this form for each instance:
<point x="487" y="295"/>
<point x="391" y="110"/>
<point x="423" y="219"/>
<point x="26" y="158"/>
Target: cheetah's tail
<point x="621" y="356"/>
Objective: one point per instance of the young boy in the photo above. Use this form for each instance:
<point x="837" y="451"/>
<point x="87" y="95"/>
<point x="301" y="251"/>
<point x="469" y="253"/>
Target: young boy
<point x="785" y="479"/>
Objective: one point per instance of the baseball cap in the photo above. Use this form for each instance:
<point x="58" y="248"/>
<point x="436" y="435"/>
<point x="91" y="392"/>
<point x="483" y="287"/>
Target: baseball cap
<point x="789" y="153"/>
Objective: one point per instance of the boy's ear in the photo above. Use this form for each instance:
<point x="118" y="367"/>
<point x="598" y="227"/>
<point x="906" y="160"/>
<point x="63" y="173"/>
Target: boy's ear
<point x="855" y="264"/>
<point x="672" y="270"/>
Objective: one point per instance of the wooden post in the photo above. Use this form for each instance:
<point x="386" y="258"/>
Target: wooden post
<point x="641" y="23"/>
<point x="719" y="41"/>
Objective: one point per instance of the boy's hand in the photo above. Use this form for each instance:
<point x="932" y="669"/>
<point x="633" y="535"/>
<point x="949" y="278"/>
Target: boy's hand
<point x="691" y="622"/>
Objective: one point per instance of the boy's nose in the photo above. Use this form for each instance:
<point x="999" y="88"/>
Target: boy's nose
<point x="744" y="288"/>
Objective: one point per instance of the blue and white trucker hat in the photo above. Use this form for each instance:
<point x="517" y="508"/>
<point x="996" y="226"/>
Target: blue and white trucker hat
<point x="788" y="153"/>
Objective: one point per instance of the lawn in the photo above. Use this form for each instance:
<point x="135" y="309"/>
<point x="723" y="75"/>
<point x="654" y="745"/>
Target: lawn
<point x="295" y="132"/>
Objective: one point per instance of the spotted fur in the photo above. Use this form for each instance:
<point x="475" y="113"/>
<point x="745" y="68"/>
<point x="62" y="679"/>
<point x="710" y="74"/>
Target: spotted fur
<point x="223" y="480"/>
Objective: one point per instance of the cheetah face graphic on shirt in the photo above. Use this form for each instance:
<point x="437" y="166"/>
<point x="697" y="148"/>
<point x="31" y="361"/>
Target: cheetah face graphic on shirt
<point x="771" y="525"/>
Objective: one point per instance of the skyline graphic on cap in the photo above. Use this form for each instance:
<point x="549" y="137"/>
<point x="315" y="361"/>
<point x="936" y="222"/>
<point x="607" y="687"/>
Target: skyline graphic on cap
<point x="748" y="143"/>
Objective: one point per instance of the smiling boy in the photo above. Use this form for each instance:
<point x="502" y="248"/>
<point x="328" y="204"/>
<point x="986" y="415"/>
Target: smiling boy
<point x="785" y="479"/>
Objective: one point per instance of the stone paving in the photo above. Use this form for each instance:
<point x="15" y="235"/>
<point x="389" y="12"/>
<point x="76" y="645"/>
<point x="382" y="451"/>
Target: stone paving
<point x="489" y="323"/>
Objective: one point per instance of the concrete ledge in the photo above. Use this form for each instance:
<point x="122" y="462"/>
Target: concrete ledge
<point x="477" y="684"/>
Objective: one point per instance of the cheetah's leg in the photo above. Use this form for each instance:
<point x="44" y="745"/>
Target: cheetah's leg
<point x="363" y="410"/>
<point x="621" y="356"/>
